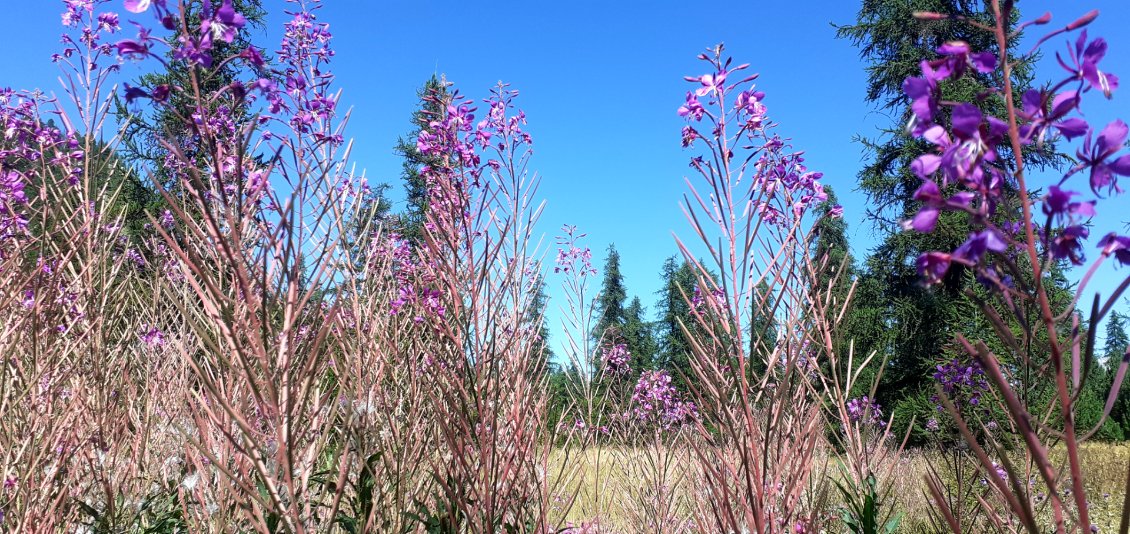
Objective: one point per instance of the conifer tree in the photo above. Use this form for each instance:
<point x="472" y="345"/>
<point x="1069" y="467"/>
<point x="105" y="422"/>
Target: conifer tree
<point x="911" y="324"/>
<point x="674" y="313"/>
<point x="1114" y="350"/>
<point x="637" y="335"/>
<point x="610" y="312"/>
<point x="432" y="96"/>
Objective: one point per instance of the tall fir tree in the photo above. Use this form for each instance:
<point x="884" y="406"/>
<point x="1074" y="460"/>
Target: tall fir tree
<point x="145" y="134"/>
<point x="542" y="351"/>
<point x="638" y="336"/>
<point x="831" y="250"/>
<point x="432" y="96"/>
<point x="911" y="324"/>
<point x="674" y="314"/>
<point x="610" y="304"/>
<point x="1114" y="350"/>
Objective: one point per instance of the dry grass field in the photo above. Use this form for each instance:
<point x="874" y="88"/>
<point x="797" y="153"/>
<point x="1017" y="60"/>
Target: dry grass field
<point x="621" y="489"/>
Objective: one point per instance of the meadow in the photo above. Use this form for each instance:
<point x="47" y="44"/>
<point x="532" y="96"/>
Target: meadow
<point x="211" y="322"/>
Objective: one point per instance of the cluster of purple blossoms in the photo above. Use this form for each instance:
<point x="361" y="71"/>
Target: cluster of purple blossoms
<point x="615" y="359"/>
<point x="13" y="221"/>
<point x="571" y="257"/>
<point x="961" y="382"/>
<point x="656" y="401"/>
<point x="1001" y="472"/>
<point x="412" y="282"/>
<point x="715" y="300"/>
<point x="780" y="179"/>
<point x="865" y="410"/>
<point x="151" y="336"/>
<point x="221" y="24"/>
<point x="80" y="14"/>
<point x="966" y="157"/>
<point x="26" y="139"/>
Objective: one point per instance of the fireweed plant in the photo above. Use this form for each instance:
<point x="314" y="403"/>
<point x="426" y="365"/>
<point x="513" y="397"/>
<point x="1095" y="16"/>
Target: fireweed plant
<point x="762" y="406"/>
<point x="968" y="174"/>
<point x="621" y="434"/>
<point x="267" y="357"/>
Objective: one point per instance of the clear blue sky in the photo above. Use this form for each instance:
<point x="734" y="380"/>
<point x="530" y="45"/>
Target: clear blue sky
<point x="600" y="82"/>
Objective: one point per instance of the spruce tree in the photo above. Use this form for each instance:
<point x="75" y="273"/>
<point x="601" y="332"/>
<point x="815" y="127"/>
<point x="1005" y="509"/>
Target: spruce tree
<point x="610" y="312"/>
<point x="432" y="96"/>
<point x="1114" y="350"/>
<point x="675" y="314"/>
<point x="542" y="351"/>
<point x="909" y="323"/>
<point x="637" y="335"/>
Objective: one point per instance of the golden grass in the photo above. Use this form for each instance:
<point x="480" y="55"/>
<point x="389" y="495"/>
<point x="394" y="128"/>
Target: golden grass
<point x="625" y="489"/>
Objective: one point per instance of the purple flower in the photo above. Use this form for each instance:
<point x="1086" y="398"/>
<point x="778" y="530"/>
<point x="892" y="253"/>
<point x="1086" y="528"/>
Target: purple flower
<point x="253" y="56"/>
<point x="749" y="104"/>
<point x="160" y="93"/>
<point x="1087" y="64"/>
<point x="932" y="425"/>
<point x="138" y="6"/>
<point x="978" y="244"/>
<point x="152" y="337"/>
<point x="1067" y="245"/>
<point x="933" y="203"/>
<point x="615" y="359"/>
<point x="1119" y="245"/>
<point x="689" y="136"/>
<point x="961" y="382"/>
<point x="933" y="266"/>
<point x="712" y="84"/>
<point x="1095" y="156"/>
<point x="224" y="25"/>
<point x="692" y="107"/>
<point x="866" y="410"/>
<point x="133" y="93"/>
<point x="1058" y="203"/>
<point x="129" y="48"/>
<point x="923" y="101"/>
<point x="193" y="51"/>
<point x="656" y="401"/>
<point x="108" y="22"/>
<point x="959" y="57"/>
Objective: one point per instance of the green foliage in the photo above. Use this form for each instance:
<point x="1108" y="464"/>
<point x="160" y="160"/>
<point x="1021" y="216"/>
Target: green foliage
<point x="638" y="336"/>
<point x="863" y="511"/>
<point x="610" y="303"/>
<point x="432" y="95"/>
<point x="675" y="314"/>
<point x="1115" y="349"/>
<point x="542" y="351"/>
<point x="895" y="314"/>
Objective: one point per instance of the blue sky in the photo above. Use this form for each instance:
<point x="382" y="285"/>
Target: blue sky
<point x="600" y="82"/>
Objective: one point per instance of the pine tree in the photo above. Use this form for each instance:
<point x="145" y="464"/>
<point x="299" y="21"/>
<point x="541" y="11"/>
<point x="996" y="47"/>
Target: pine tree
<point x="542" y="351"/>
<point x="674" y="314"/>
<point x="637" y="335"/>
<point x="1114" y="350"/>
<point x="831" y="250"/>
<point x="912" y="325"/>
<point x="432" y="96"/>
<point x="610" y="312"/>
<point x="1117" y="340"/>
<point x="762" y="326"/>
